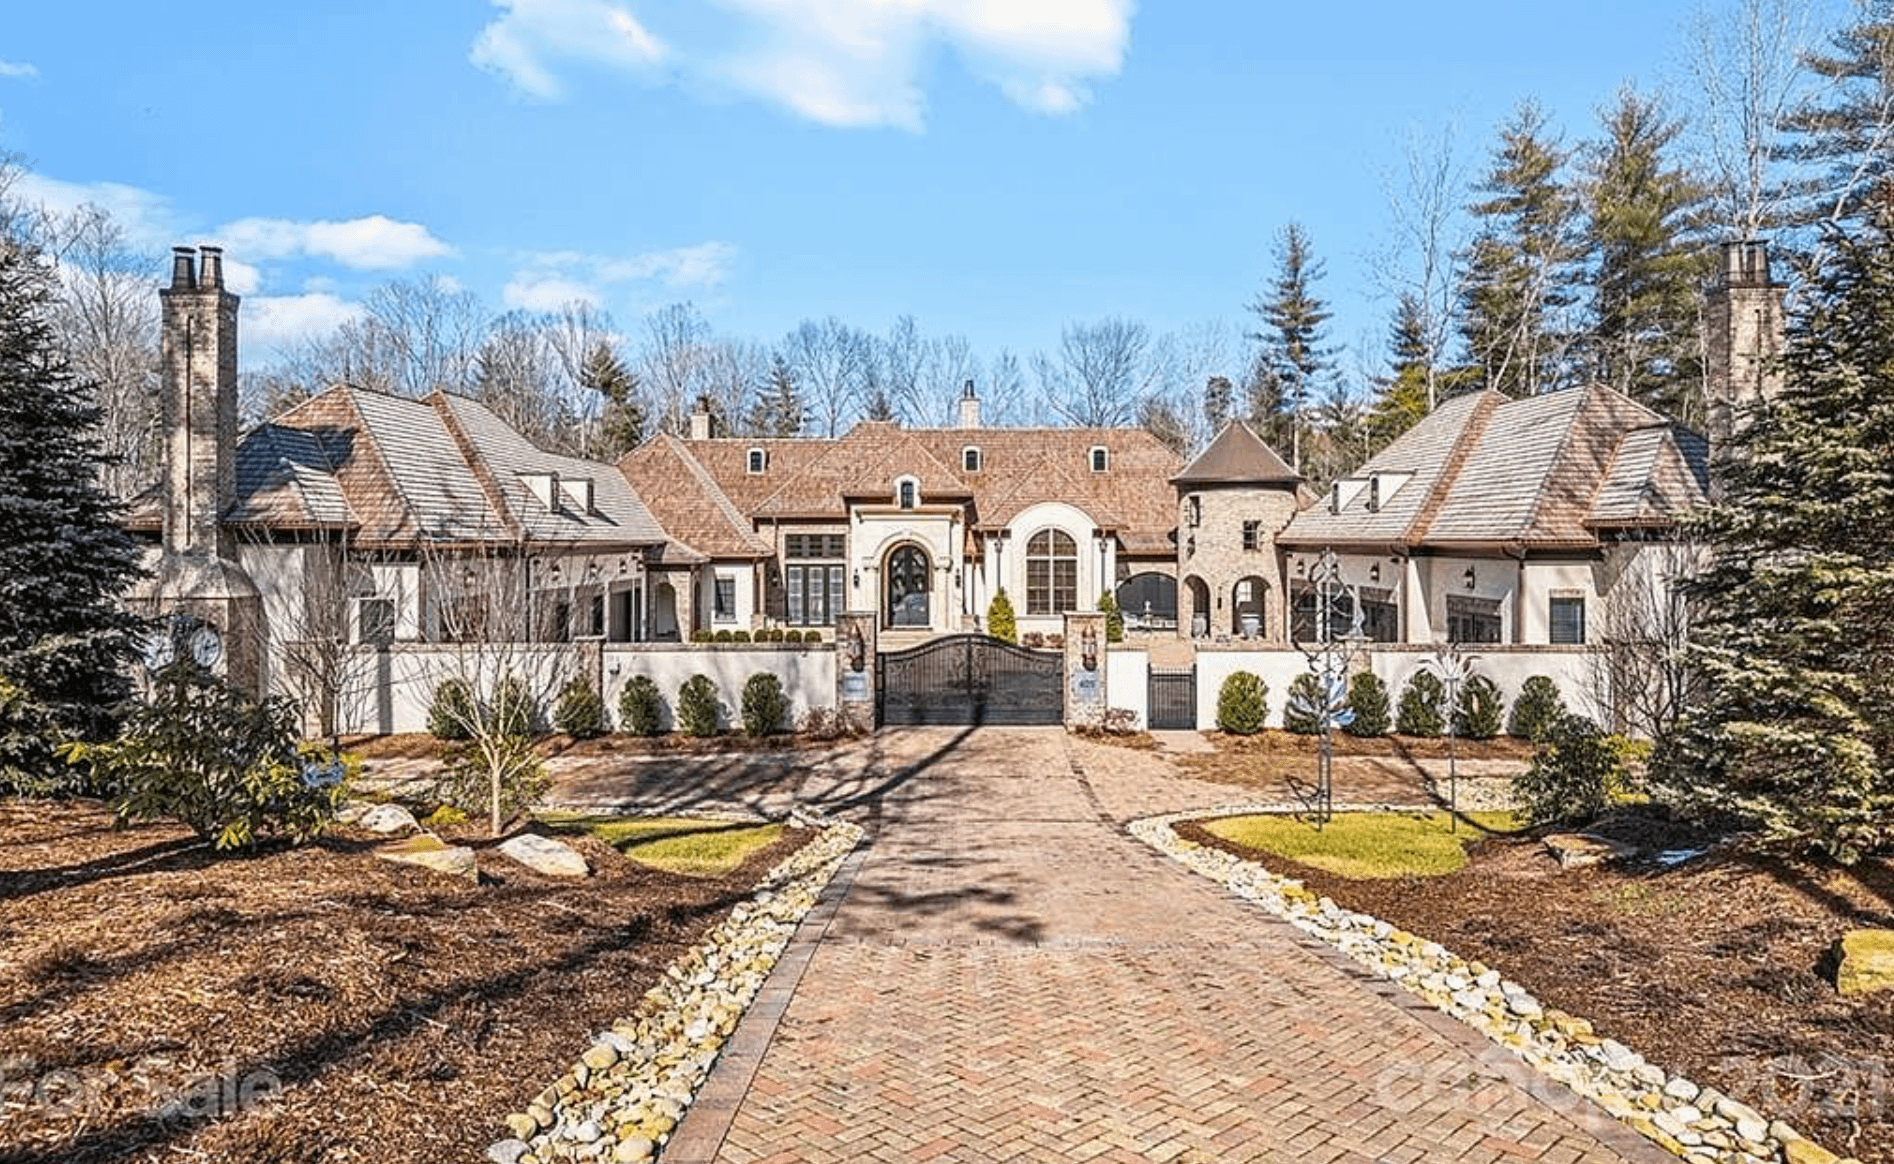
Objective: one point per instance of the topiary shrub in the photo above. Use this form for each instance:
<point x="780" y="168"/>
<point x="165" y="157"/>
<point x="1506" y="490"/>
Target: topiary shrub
<point x="722" y="636"/>
<point x="740" y="636"/>
<point x="765" y="707"/>
<point x="1537" y="709"/>
<point x="792" y="636"/>
<point x="700" y="635"/>
<point x="451" y="713"/>
<point x="641" y="707"/>
<point x="1421" y="713"/>
<point x="515" y="712"/>
<point x="1242" y="704"/>
<point x="1575" y="773"/>
<point x="1368" y="699"/>
<point x="1114" y="618"/>
<point x="811" y="636"/>
<point x="228" y="767"/>
<point x="1001" y="622"/>
<point x="580" y="712"/>
<point x="697" y="706"/>
<point x="1303" y="713"/>
<point x="1480" y="711"/>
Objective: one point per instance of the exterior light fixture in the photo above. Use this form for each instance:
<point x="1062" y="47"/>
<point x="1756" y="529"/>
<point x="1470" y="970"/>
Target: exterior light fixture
<point x="857" y="648"/>
<point x="1088" y="649"/>
<point x="1469" y="577"/>
<point x="1374" y="572"/>
<point x="858" y="579"/>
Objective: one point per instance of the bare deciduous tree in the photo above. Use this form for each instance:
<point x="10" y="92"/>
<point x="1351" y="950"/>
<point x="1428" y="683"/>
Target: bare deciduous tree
<point x="1101" y="373"/>
<point x="1642" y="631"/>
<point x="834" y="363"/>
<point x="1745" y="65"/>
<point x="1429" y="231"/>
<point x="673" y="363"/>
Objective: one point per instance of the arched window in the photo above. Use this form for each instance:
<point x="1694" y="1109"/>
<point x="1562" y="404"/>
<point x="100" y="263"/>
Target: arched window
<point x="1052" y="572"/>
<point x="907" y="492"/>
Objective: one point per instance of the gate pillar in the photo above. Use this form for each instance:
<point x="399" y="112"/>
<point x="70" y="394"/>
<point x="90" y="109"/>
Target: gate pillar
<point x="855" y="670"/>
<point x="1085" y="696"/>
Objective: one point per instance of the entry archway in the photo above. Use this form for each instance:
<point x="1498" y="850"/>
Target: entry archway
<point x="909" y="575"/>
<point x="1247" y="600"/>
<point x="1199" y="592"/>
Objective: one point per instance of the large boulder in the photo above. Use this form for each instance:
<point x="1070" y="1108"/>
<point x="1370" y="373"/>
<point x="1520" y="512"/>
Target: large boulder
<point x="545" y="856"/>
<point x="1865" y="962"/>
<point x="429" y="852"/>
<point x="380" y="818"/>
<point x="1583" y="850"/>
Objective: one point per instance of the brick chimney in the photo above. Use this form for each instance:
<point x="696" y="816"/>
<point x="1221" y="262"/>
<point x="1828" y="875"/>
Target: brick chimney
<point x="199" y="403"/>
<point x="969" y="407"/>
<point x="1744" y="337"/>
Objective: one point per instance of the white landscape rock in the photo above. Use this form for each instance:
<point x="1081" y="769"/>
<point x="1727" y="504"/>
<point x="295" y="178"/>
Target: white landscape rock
<point x="388" y="818"/>
<point x="429" y="852"/>
<point x="545" y="856"/>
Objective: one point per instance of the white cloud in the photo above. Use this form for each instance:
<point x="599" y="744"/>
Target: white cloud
<point x="375" y="242"/>
<point x="543" y="292"/>
<point x="519" y="45"/>
<point x="24" y="70"/>
<point x="704" y="265"/>
<point x="241" y="278"/>
<point x="147" y="218"/>
<point x="277" y="321"/>
<point x="838" y="62"/>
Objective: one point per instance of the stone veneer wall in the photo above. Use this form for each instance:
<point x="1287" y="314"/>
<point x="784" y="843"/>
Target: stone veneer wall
<point x="1213" y="551"/>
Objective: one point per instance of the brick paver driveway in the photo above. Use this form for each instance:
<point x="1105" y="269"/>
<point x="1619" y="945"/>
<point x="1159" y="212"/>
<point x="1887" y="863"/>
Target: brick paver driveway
<point x="1012" y="977"/>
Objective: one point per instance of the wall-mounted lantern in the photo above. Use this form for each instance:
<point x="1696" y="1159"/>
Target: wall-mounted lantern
<point x="857" y="648"/>
<point x="1469" y="577"/>
<point x="858" y="579"/>
<point x="1088" y="649"/>
<point x="1374" y="572"/>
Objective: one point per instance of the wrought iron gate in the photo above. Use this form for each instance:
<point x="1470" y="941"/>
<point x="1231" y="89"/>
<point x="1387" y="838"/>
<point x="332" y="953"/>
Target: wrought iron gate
<point x="1173" y="699"/>
<point x="971" y="679"/>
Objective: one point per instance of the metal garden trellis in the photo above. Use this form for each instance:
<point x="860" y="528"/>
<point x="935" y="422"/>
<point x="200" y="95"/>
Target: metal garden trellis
<point x="1453" y="669"/>
<point x="1330" y="657"/>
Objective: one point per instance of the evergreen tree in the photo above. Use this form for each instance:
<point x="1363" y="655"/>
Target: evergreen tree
<point x="1219" y="401"/>
<point x="1843" y="141"/>
<point x="1001" y="623"/>
<point x="880" y="404"/>
<point x="621" y="413"/>
<point x="1294" y="331"/>
<point x="1400" y="400"/>
<point x="1646" y="260"/>
<point x="1795" y="733"/>
<point x="1158" y="417"/>
<point x="779" y="411"/>
<point x="65" y="640"/>
<point x="1518" y="273"/>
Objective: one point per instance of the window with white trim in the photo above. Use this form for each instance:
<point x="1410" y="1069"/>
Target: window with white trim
<point x="907" y="493"/>
<point x="1052" y="572"/>
<point x="1566" y="619"/>
<point x="1101" y="458"/>
<point x="723" y="607"/>
<point x="758" y="460"/>
<point x="970" y="459"/>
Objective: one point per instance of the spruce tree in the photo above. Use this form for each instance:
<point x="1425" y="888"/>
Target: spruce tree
<point x="1400" y="400"/>
<point x="1294" y="330"/>
<point x="621" y="413"/>
<point x="1795" y="733"/>
<point x="779" y="411"/>
<point x="1519" y="273"/>
<point x="1219" y="401"/>
<point x="65" y="639"/>
<point x="1646" y="260"/>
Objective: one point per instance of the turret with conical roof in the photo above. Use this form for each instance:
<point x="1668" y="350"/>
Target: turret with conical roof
<point x="1233" y="498"/>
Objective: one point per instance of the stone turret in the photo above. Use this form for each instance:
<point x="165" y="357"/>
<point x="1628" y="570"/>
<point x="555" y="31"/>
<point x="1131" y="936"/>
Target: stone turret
<point x="198" y="575"/>
<point x="1744" y="320"/>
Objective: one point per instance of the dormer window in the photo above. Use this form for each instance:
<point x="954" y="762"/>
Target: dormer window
<point x="907" y="493"/>
<point x="1193" y="511"/>
<point x="970" y="459"/>
<point x="1101" y="459"/>
<point x="757" y="461"/>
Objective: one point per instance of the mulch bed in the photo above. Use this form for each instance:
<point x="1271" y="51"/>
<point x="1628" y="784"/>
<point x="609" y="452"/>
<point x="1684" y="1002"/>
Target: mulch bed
<point x="1714" y="968"/>
<point x="396" y="1013"/>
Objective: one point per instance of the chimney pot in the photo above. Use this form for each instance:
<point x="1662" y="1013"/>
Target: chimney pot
<point x="212" y="273"/>
<point x="183" y="269"/>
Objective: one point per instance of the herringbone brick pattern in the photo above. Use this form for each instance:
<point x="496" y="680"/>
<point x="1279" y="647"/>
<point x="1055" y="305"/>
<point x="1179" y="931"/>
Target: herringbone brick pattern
<point x="1011" y="977"/>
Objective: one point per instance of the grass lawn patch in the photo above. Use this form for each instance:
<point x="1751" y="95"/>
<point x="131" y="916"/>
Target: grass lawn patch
<point x="693" y="846"/>
<point x="1366" y="845"/>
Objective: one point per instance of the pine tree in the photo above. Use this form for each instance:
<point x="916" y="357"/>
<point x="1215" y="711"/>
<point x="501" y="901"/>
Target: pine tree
<point x="1843" y="141"/>
<point x="1519" y="272"/>
<point x="779" y="411"/>
<point x="65" y="640"/>
<point x="621" y="413"/>
<point x="1294" y="330"/>
<point x="1646" y="260"/>
<point x="1219" y="398"/>
<point x="1794" y="630"/>
<point x="1400" y="400"/>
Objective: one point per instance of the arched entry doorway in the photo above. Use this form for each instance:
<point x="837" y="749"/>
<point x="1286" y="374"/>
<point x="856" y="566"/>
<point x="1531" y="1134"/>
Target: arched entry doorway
<point x="664" y="626"/>
<point x="1199" y="607"/>
<point x="1246" y="607"/>
<point x="1149" y="601"/>
<point x="908" y="573"/>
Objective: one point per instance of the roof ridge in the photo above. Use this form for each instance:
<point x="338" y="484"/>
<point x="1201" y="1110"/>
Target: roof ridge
<point x="1471" y="434"/>
<point x="477" y="465"/>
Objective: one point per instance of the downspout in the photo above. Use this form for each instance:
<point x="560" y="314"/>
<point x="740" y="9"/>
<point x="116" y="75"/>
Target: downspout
<point x="1517" y="552"/>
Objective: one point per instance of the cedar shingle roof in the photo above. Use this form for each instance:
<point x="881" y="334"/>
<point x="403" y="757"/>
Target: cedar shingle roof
<point x="1545" y="472"/>
<point x="687" y="502"/>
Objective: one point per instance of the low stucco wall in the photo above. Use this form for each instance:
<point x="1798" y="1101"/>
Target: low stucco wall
<point x="1128" y="683"/>
<point x="807" y="674"/>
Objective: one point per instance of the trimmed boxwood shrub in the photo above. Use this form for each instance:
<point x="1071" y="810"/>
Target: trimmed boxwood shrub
<point x="740" y="636"/>
<point x="812" y="636"/>
<point x="792" y="636"/>
<point x="722" y="636"/>
<point x="1421" y="713"/>
<point x="1537" y="709"/>
<point x="1242" y="704"/>
<point x="451" y="711"/>
<point x="1368" y="699"/>
<point x="697" y="706"/>
<point x="1303" y="713"/>
<point x="764" y="705"/>
<point x="515" y="713"/>
<point x="1481" y="710"/>
<point x="700" y="635"/>
<point x="641" y="707"/>
<point x="580" y="712"/>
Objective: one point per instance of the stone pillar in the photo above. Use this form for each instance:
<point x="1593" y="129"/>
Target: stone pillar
<point x="1085" y="695"/>
<point x="855" y="646"/>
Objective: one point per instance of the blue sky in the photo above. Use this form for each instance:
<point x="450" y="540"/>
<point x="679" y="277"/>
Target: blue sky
<point x="994" y="167"/>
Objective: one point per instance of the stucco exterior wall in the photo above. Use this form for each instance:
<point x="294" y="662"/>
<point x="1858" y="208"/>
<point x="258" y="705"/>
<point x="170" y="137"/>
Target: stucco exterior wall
<point x="807" y="674"/>
<point x="1128" y="683"/>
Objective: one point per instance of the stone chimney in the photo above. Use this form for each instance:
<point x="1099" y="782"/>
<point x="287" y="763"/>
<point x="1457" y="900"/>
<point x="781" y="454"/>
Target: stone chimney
<point x="969" y="407"/>
<point x="700" y="424"/>
<point x="1744" y="337"/>
<point x="198" y="576"/>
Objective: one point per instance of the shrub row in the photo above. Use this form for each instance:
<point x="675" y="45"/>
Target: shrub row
<point x="512" y="712"/>
<point x="774" y="634"/>
<point x="1243" y="706"/>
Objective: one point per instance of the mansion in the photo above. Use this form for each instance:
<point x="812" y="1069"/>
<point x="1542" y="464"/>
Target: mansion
<point x="1492" y="521"/>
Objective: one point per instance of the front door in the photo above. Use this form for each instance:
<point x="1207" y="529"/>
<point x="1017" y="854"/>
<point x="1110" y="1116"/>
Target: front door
<point x="907" y="588"/>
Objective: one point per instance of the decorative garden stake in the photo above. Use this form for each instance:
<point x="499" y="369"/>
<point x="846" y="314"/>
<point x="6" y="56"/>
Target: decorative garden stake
<point x="1330" y="656"/>
<point x="1452" y="669"/>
